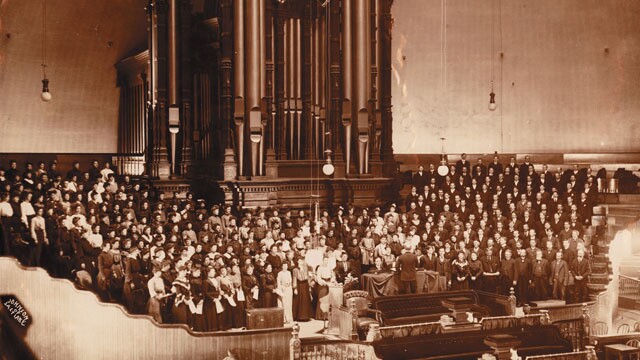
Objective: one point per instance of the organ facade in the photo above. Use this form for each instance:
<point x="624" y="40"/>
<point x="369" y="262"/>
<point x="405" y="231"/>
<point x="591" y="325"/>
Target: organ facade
<point x="263" y="92"/>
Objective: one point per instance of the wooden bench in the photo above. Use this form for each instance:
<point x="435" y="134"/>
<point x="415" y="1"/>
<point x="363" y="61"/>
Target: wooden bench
<point x="419" y="308"/>
<point x="539" y="340"/>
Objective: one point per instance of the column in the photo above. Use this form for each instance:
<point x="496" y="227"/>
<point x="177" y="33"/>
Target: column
<point x="160" y="162"/>
<point x="187" y="86"/>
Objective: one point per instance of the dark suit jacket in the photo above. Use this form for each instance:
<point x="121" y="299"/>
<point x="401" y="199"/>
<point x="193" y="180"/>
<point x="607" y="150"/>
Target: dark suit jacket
<point x="407" y="264"/>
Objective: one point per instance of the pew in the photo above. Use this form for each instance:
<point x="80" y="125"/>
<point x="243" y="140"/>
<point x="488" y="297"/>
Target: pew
<point x="427" y="307"/>
<point x="537" y="340"/>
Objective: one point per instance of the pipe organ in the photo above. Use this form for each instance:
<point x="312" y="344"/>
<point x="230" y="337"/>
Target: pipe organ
<point x="261" y="89"/>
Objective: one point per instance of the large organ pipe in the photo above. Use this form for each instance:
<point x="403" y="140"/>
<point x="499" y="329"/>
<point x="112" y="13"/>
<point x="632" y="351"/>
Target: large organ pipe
<point x="238" y="80"/>
<point x="347" y="90"/>
<point x="253" y="79"/>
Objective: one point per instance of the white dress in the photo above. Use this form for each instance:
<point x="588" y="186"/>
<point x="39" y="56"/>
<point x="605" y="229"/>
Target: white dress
<point x="285" y="292"/>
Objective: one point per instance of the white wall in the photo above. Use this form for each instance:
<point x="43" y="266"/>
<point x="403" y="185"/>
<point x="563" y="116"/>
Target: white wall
<point x="557" y="89"/>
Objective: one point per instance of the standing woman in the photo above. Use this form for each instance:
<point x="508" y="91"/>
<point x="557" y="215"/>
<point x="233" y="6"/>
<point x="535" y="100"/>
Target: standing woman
<point x="302" y="310"/>
<point x="105" y="262"/>
<point x="182" y="289"/>
<point x="239" y="297"/>
<point x="367" y="246"/>
<point x="39" y="236"/>
<point x="475" y="272"/>
<point x="324" y="276"/>
<point x="228" y="302"/>
<point x="212" y="307"/>
<point x="267" y="286"/>
<point x="197" y="290"/>
<point x="285" y="292"/>
<point x="460" y="273"/>
<point x="250" y="287"/>
<point x="156" y="293"/>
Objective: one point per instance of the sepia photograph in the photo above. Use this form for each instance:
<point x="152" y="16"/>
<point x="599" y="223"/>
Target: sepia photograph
<point x="320" y="179"/>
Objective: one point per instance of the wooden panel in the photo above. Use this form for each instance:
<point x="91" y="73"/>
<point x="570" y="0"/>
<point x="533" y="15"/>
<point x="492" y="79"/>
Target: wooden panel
<point x="65" y="161"/>
<point x="72" y="324"/>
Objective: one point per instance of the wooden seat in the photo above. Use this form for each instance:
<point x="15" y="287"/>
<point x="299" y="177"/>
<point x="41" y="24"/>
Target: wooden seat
<point x="600" y="328"/>
<point x="623" y="329"/>
<point x="359" y="300"/>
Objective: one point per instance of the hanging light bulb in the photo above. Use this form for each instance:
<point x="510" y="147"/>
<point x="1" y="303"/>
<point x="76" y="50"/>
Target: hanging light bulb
<point x="443" y="169"/>
<point x="45" y="95"/>
<point x="328" y="167"/>
<point x="492" y="101"/>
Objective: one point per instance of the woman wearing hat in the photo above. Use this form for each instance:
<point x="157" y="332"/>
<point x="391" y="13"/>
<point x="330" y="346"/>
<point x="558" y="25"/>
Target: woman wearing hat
<point x="182" y="289"/>
<point x="212" y="307"/>
<point x="460" y="273"/>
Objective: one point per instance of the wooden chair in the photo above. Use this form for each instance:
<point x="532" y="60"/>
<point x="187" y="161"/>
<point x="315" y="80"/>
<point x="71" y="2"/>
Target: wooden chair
<point x="623" y="329"/>
<point x="359" y="300"/>
<point x="600" y="328"/>
<point x="634" y="343"/>
<point x="636" y="326"/>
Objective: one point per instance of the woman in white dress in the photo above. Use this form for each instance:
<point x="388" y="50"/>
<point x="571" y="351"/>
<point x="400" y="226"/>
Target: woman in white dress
<point x="285" y="292"/>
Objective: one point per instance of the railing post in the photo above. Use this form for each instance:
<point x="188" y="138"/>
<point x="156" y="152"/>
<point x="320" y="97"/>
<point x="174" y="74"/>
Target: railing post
<point x="592" y="352"/>
<point x="512" y="300"/>
<point x="295" y="347"/>
<point x="586" y="323"/>
<point x="545" y="319"/>
<point x="354" y="321"/>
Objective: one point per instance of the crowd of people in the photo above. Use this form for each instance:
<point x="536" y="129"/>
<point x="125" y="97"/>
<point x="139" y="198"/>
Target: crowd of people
<point x="182" y="260"/>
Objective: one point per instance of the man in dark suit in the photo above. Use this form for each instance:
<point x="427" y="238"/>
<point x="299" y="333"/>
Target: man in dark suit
<point x="540" y="271"/>
<point x="463" y="163"/>
<point x="524" y="167"/>
<point x="490" y="271"/>
<point x="523" y="276"/>
<point x="559" y="277"/>
<point x="420" y="179"/>
<point x="581" y="270"/>
<point x="407" y="265"/>
<point x="496" y="165"/>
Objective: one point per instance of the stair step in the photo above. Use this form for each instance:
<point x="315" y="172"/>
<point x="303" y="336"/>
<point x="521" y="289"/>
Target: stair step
<point x="597" y="287"/>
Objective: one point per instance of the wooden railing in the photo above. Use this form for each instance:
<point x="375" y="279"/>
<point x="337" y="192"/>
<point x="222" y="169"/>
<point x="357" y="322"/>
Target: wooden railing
<point x="574" y="331"/>
<point x="567" y="312"/>
<point x="398" y="331"/>
<point x="589" y="354"/>
<point x="129" y="164"/>
<point x="628" y="285"/>
<point x="504" y="322"/>
<point x="342" y="323"/>
<point x="97" y="330"/>
<point x="312" y="349"/>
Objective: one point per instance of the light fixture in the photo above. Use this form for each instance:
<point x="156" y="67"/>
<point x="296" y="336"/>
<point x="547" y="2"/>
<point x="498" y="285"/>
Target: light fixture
<point x="45" y="95"/>
<point x="492" y="94"/>
<point x="443" y="169"/>
<point x="492" y="99"/>
<point x="328" y="168"/>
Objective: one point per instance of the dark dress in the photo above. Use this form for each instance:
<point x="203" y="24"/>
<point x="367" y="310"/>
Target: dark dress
<point x="238" y="312"/>
<point x="302" y="310"/>
<point x="197" y="320"/>
<point x="211" y="292"/>
<point x="267" y="285"/>
<point x="459" y="270"/>
<point x="180" y="308"/>
<point x="475" y="270"/>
